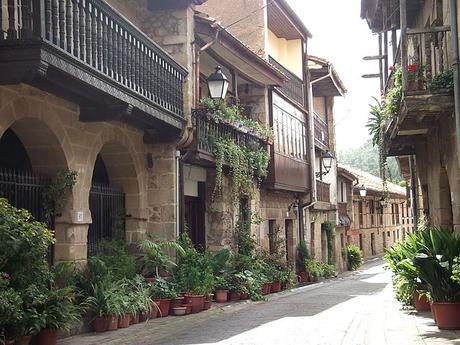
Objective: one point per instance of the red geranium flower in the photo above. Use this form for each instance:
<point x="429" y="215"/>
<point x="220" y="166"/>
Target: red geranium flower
<point x="392" y="68"/>
<point x="412" y="68"/>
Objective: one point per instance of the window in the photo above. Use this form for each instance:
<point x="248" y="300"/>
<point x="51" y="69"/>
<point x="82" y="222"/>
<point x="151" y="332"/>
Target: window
<point x="360" y="211"/>
<point x="372" y="211"/>
<point x="361" y="241"/>
<point x="397" y="219"/>
<point x="290" y="130"/>
<point x="342" y="192"/>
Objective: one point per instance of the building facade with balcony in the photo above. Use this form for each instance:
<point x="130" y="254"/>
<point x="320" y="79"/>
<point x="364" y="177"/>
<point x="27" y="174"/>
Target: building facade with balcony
<point x="278" y="36"/>
<point x="423" y="133"/>
<point x="325" y="86"/>
<point x="377" y="220"/>
<point x="100" y="88"/>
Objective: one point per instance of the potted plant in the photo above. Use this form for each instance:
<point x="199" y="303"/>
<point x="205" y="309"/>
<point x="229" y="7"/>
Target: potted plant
<point x="302" y="255"/>
<point x="141" y="299"/>
<point x="436" y="267"/>
<point x="58" y="313"/>
<point x="221" y="292"/>
<point x="313" y="269"/>
<point x="162" y="292"/>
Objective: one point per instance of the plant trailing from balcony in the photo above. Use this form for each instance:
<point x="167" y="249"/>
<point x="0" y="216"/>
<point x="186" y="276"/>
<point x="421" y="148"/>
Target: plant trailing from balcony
<point x="246" y="164"/>
<point x="444" y="80"/>
<point x="220" y="112"/>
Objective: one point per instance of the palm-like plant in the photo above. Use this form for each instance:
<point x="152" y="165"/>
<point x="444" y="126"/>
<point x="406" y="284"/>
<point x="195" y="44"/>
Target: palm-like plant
<point x="154" y="254"/>
<point x="376" y="122"/>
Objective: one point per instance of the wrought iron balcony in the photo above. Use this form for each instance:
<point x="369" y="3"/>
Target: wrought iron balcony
<point x="88" y="49"/>
<point x="207" y="129"/>
<point x="321" y="132"/>
<point x="294" y="88"/>
<point x="323" y="191"/>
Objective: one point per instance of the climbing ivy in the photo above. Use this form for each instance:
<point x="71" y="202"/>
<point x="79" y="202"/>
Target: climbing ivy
<point x="56" y="193"/>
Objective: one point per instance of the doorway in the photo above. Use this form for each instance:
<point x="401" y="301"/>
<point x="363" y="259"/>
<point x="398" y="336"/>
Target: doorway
<point x="289" y="237"/>
<point x="194" y="214"/>
<point x="373" y="251"/>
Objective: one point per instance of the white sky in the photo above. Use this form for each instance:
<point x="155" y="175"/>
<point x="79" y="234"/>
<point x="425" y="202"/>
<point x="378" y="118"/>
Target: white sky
<point x="342" y="37"/>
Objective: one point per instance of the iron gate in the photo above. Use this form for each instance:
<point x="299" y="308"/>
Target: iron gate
<point x="107" y="205"/>
<point x="23" y="189"/>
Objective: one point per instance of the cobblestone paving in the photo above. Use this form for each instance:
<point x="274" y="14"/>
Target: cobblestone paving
<point x="357" y="309"/>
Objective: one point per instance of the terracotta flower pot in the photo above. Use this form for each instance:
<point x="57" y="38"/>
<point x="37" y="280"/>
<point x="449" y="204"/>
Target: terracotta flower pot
<point x="244" y="296"/>
<point x="421" y="302"/>
<point x="124" y="320"/>
<point x="112" y="322"/>
<point x="266" y="287"/>
<point x="314" y="279"/>
<point x="24" y="340"/>
<point x="155" y="309"/>
<point x="221" y="296"/>
<point x="134" y="318"/>
<point x="149" y="279"/>
<point x="303" y="277"/>
<point x="197" y="303"/>
<point x="276" y="286"/>
<point x="207" y="305"/>
<point x="175" y="303"/>
<point x="164" y="307"/>
<point x="10" y="341"/>
<point x="100" y="324"/>
<point x="188" y="307"/>
<point x="433" y="312"/>
<point x="234" y="296"/>
<point x="179" y="311"/>
<point x="447" y="314"/>
<point x="46" y="337"/>
<point x="144" y="316"/>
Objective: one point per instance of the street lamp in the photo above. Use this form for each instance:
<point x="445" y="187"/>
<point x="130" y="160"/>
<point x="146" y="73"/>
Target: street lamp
<point x="362" y="191"/>
<point x="382" y="201"/>
<point x="217" y="84"/>
<point x="326" y="160"/>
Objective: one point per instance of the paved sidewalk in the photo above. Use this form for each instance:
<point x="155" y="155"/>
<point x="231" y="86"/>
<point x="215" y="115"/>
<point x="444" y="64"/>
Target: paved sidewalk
<point x="355" y="309"/>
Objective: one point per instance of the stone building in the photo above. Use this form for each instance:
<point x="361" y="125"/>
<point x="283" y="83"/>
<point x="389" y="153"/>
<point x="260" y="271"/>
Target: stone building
<point x="104" y="89"/>
<point x="423" y="135"/>
<point x="325" y="86"/>
<point x="277" y="35"/>
<point x="379" y="218"/>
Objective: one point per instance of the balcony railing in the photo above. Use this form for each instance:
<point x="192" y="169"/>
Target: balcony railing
<point x="207" y="130"/>
<point x="292" y="88"/>
<point x="428" y="51"/>
<point x="321" y="132"/>
<point x="91" y="34"/>
<point x="323" y="191"/>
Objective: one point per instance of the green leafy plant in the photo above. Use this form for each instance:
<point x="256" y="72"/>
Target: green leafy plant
<point x="354" y="257"/>
<point x="108" y="298"/>
<point x="302" y="255"/>
<point x="56" y="192"/>
<point x="154" y="256"/>
<point x="444" y="80"/>
<point x="117" y="259"/>
<point x="161" y="289"/>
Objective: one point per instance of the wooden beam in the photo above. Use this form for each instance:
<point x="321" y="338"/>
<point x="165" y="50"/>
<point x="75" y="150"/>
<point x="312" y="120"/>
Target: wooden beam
<point x="431" y="30"/>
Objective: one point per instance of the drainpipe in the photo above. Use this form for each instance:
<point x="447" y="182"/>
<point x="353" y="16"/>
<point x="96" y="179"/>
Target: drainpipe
<point x="178" y="193"/>
<point x="455" y="67"/>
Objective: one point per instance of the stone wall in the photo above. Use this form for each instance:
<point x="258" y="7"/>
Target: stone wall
<point x="54" y="138"/>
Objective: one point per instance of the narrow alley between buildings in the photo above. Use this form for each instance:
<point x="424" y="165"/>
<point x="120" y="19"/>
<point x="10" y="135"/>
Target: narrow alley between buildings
<point x="355" y="309"/>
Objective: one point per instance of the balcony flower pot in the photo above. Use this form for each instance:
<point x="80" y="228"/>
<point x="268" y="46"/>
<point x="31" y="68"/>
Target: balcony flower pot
<point x="124" y="320"/>
<point x="233" y="296"/>
<point x="221" y="296"/>
<point x="47" y="337"/>
<point x="112" y="322"/>
<point x="164" y="307"/>
<point x="197" y="302"/>
<point x="244" y="296"/>
<point x="303" y="277"/>
<point x="134" y="318"/>
<point x="276" y="286"/>
<point x="100" y="324"/>
<point x="447" y="314"/>
<point x="421" y="302"/>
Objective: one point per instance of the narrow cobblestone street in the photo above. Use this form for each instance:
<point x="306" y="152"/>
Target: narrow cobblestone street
<point x="356" y="309"/>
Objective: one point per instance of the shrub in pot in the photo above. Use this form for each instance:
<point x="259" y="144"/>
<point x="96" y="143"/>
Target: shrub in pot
<point x="59" y="312"/>
<point x="221" y="292"/>
<point x="354" y="257"/>
<point x="302" y="255"/>
<point x="107" y="301"/>
<point x="162" y="292"/>
<point x="436" y="266"/>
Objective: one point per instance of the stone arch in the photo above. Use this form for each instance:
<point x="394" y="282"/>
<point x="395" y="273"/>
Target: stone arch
<point x="125" y="170"/>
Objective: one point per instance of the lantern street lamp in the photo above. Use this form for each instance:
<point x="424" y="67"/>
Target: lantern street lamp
<point x="382" y="201"/>
<point x="217" y="84"/>
<point x="362" y="191"/>
<point x="326" y="160"/>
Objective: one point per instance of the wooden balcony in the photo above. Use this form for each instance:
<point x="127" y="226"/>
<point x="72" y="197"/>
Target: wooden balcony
<point x="421" y="107"/>
<point x="294" y="88"/>
<point x="323" y="192"/>
<point x="208" y="129"/>
<point x="86" y="51"/>
<point x="321" y="133"/>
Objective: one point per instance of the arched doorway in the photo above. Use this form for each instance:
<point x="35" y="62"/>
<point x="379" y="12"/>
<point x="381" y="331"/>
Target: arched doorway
<point x="113" y="196"/>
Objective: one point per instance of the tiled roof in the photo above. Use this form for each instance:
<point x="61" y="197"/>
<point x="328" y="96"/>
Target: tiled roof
<point x="373" y="183"/>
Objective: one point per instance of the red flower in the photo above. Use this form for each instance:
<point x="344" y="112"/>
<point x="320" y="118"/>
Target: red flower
<point x="392" y="68"/>
<point x="412" y="68"/>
